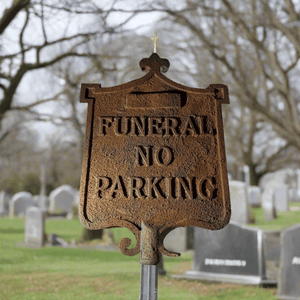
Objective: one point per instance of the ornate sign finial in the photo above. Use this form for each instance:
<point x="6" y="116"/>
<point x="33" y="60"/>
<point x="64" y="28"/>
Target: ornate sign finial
<point x="155" y="39"/>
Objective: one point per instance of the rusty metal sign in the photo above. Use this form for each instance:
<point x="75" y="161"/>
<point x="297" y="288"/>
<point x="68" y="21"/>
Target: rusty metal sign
<point x="154" y="159"/>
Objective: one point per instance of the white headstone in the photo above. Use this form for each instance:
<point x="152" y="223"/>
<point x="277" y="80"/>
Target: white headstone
<point x="34" y="227"/>
<point x="43" y="202"/>
<point x="268" y="202"/>
<point x="4" y="200"/>
<point x="284" y="176"/>
<point x="254" y="195"/>
<point x="61" y="199"/>
<point x="76" y="198"/>
<point x="281" y="197"/>
<point x="19" y="203"/>
<point x="298" y="178"/>
<point x="294" y="195"/>
<point x="246" y="171"/>
<point x="180" y="239"/>
<point x="240" y="209"/>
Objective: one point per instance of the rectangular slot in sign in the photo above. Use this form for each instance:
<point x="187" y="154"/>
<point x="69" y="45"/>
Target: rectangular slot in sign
<point x="153" y="100"/>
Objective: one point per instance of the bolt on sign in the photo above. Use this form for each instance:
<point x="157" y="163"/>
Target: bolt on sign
<point x="154" y="159"/>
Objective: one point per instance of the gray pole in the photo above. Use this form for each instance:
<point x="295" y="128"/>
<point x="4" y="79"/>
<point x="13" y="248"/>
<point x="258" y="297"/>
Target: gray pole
<point x="148" y="282"/>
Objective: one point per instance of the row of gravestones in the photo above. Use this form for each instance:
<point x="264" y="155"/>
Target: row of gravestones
<point x="275" y="197"/>
<point x="240" y="254"/>
<point x="60" y="201"/>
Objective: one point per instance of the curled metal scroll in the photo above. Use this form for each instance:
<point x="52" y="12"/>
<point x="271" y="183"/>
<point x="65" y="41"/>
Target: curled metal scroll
<point x="162" y="233"/>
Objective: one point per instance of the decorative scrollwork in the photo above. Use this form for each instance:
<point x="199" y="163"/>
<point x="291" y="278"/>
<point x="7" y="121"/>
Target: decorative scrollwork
<point x="163" y="231"/>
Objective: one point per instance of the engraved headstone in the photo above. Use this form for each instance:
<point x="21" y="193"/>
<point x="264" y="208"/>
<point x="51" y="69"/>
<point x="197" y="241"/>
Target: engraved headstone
<point x="254" y="196"/>
<point x="240" y="209"/>
<point x="154" y="159"/>
<point x="281" y="197"/>
<point x="61" y="199"/>
<point x="34" y="227"/>
<point x="19" y="203"/>
<point x="232" y="254"/>
<point x="180" y="239"/>
<point x="4" y="201"/>
<point x="289" y="274"/>
<point x="268" y="202"/>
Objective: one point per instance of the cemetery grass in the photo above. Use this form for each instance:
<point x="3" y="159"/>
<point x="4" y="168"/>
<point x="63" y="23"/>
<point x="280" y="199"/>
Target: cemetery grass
<point x="283" y="220"/>
<point x="72" y="273"/>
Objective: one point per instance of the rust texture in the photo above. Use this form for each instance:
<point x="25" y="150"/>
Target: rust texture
<point x="154" y="159"/>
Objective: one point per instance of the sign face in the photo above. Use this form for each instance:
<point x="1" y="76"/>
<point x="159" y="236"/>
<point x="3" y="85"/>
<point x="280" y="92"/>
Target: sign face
<point x="154" y="152"/>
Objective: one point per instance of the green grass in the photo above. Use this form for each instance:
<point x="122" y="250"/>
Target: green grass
<point x="283" y="220"/>
<point x="71" y="273"/>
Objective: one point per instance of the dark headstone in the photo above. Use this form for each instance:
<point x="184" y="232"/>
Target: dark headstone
<point x="289" y="273"/>
<point x="232" y="254"/>
<point x="55" y="240"/>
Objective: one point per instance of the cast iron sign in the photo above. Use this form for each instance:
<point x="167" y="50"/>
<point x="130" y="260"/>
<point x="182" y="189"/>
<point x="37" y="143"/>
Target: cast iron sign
<point x="154" y="156"/>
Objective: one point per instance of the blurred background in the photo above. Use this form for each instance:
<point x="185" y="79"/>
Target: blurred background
<point x="48" y="48"/>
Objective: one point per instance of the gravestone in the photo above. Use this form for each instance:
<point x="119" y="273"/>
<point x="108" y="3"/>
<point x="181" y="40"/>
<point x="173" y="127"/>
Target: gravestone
<point x="43" y="202"/>
<point x="281" y="197"/>
<point x="294" y="195"/>
<point x="76" y="198"/>
<point x="19" y="203"/>
<point x="271" y="253"/>
<point x="180" y="239"/>
<point x="34" y="227"/>
<point x="240" y="210"/>
<point x="4" y="203"/>
<point x="232" y="254"/>
<point x="289" y="274"/>
<point x="61" y="199"/>
<point x="254" y="196"/>
<point x="268" y="203"/>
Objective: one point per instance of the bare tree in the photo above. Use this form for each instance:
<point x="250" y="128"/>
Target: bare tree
<point x="38" y="34"/>
<point x="253" y="47"/>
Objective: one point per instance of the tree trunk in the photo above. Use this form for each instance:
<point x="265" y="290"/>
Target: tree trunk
<point x="254" y="176"/>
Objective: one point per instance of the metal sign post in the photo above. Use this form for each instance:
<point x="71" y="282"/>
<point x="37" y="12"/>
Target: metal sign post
<point x="153" y="160"/>
<point x="149" y="280"/>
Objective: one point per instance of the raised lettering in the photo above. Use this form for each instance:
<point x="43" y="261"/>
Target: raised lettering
<point x="143" y="155"/>
<point x="171" y="127"/>
<point x="154" y="189"/>
<point x="104" y="123"/>
<point x="122" y="126"/>
<point x="190" y="128"/>
<point x="206" y="188"/>
<point x="154" y="126"/>
<point x="118" y="187"/>
<point x="163" y="156"/>
<point x="136" y="187"/>
<point x="184" y="187"/>
<point x="104" y="184"/>
<point x="138" y="126"/>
